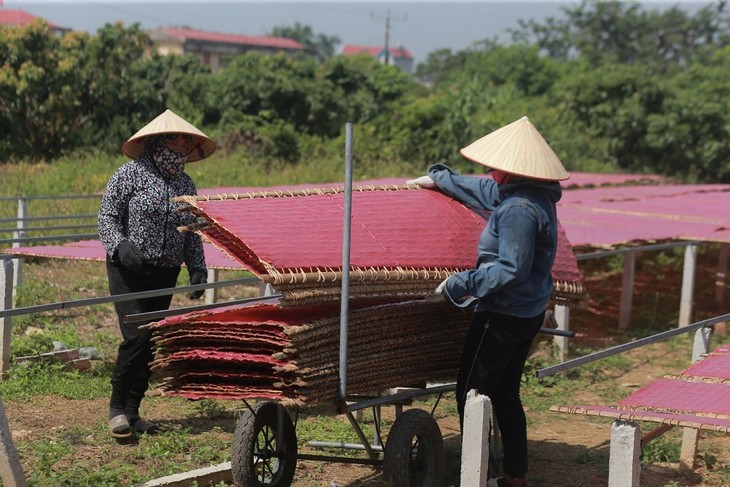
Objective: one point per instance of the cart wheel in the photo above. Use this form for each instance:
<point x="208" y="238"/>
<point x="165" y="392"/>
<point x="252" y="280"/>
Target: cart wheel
<point x="264" y="447"/>
<point x="414" y="451"/>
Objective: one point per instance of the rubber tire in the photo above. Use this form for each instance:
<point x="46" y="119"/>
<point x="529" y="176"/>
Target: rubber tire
<point x="414" y="451"/>
<point x="257" y="460"/>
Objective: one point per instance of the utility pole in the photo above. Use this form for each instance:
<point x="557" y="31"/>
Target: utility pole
<point x="387" y="33"/>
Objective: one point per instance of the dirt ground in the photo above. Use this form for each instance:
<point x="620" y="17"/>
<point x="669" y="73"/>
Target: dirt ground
<point x="565" y="450"/>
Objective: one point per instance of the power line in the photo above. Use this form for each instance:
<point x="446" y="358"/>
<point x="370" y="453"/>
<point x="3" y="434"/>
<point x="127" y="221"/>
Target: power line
<point x="387" y="19"/>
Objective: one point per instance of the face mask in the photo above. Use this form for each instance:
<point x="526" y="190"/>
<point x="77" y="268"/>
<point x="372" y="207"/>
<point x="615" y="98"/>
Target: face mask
<point x="501" y="177"/>
<point x="170" y="163"/>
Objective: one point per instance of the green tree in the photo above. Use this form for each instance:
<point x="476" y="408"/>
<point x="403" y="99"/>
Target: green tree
<point x="118" y="93"/>
<point x="610" y="104"/>
<point x="690" y="136"/>
<point x="267" y="87"/>
<point x="40" y="105"/>
<point x="322" y="45"/>
<point x="646" y="123"/>
<point x="440" y="67"/>
<point x="626" y="33"/>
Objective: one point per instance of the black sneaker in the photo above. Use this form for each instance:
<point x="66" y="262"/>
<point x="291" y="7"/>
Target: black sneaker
<point x="143" y="426"/>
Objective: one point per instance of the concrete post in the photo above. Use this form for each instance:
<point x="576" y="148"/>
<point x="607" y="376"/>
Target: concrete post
<point x="721" y="273"/>
<point x="562" y="318"/>
<point x="688" y="452"/>
<point x="11" y="472"/>
<point x="624" y="467"/>
<point x="701" y="343"/>
<point x="19" y="233"/>
<point x="691" y="436"/>
<point x="627" y="290"/>
<point x="211" y="295"/>
<point x="6" y="322"/>
<point x="720" y="281"/>
<point x="475" y="440"/>
<point x="688" y="285"/>
<point x="266" y="289"/>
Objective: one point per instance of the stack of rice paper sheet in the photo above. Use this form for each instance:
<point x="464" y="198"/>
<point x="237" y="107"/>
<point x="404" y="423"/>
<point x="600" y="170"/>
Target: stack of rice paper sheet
<point x="404" y="241"/>
<point x="292" y="353"/>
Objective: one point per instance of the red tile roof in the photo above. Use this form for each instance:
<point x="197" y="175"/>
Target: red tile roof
<point x="396" y="52"/>
<point x="277" y="42"/>
<point x="17" y="18"/>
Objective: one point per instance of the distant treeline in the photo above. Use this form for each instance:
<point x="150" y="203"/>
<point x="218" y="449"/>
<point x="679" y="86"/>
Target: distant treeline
<point x="612" y="86"/>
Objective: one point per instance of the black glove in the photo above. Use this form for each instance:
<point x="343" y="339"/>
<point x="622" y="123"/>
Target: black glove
<point x="197" y="277"/>
<point x="131" y="257"/>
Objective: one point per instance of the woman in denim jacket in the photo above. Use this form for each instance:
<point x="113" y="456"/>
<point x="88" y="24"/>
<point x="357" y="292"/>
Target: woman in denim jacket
<point x="511" y="282"/>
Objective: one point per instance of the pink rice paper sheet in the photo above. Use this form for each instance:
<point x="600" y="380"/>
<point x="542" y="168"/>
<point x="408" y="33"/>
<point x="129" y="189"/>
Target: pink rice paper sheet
<point x="250" y="360"/>
<point x="686" y="420"/>
<point x="266" y="315"/>
<point x="581" y="180"/>
<point x="714" y="366"/>
<point x="699" y="397"/>
<point x="391" y="229"/>
<point x="611" y="216"/>
<point x="681" y="396"/>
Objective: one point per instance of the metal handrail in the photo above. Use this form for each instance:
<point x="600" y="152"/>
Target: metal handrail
<point x="79" y="236"/>
<point x="569" y="364"/>
<point x="124" y="297"/>
<point x="47" y="229"/>
<point x="51" y="197"/>
<point x="49" y="217"/>
<point x="629" y="250"/>
<point x="156" y="315"/>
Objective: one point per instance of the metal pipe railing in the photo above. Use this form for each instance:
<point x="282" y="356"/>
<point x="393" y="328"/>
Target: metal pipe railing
<point x="51" y="238"/>
<point x="51" y="197"/>
<point x="569" y="364"/>
<point x="123" y="297"/>
<point x="49" y="217"/>
<point x="156" y="315"/>
<point x="48" y="229"/>
<point x="642" y="248"/>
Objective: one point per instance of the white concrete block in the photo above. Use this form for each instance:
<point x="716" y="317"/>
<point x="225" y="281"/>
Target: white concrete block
<point x="202" y="476"/>
<point x="475" y="440"/>
<point x="624" y="467"/>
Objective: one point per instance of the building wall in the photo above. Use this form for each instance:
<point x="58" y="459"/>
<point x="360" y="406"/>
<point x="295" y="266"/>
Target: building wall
<point x="210" y="53"/>
<point x="169" y="47"/>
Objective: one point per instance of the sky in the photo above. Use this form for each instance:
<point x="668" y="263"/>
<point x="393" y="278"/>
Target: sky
<point x="419" y="26"/>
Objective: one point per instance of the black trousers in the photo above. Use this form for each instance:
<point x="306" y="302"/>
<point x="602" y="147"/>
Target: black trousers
<point x="493" y="360"/>
<point x="131" y="374"/>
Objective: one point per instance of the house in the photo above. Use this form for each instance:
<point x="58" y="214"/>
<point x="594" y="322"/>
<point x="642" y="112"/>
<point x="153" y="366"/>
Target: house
<point x="396" y="56"/>
<point x="212" y="48"/>
<point x="21" y="18"/>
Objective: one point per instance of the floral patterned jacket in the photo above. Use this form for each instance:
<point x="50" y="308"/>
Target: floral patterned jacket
<point x="137" y="206"/>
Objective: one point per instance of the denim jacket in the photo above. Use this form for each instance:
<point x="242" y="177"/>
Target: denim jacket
<point x="517" y="247"/>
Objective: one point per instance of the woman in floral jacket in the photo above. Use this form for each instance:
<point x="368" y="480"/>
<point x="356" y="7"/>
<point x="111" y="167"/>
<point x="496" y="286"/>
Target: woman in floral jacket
<point x="138" y="226"/>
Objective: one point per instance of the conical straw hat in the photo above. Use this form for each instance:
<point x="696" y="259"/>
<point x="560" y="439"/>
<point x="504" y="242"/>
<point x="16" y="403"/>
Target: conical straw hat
<point x="170" y="123"/>
<point x="517" y="148"/>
